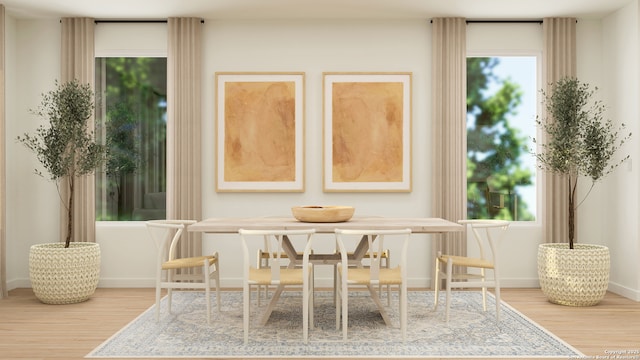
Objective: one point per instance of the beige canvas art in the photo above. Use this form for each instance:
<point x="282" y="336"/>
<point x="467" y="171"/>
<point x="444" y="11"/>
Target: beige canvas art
<point x="367" y="135"/>
<point x="259" y="131"/>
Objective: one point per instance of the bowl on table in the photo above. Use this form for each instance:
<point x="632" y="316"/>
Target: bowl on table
<point x="316" y="213"/>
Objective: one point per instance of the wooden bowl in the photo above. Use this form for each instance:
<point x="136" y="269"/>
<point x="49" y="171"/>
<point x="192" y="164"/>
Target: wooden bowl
<point x="323" y="213"/>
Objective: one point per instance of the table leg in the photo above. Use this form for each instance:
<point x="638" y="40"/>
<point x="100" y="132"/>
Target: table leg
<point x="292" y="254"/>
<point x="272" y="304"/>
<point x="376" y="300"/>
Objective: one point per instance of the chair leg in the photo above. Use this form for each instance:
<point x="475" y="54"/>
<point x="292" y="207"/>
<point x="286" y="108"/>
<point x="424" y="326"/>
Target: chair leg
<point x="207" y="289"/>
<point x="436" y="285"/>
<point x="158" y="299"/>
<point x="307" y="308"/>
<point x="449" y="276"/>
<point x="337" y="297"/>
<point x="245" y="312"/>
<point x="217" y="279"/>
<point x="335" y="281"/>
<point x="403" y="310"/>
<point x="484" y="292"/>
<point x="497" y="291"/>
<point x="342" y="309"/>
<point x="345" y="309"/>
<point x="388" y="266"/>
<point x="305" y="314"/>
<point x="169" y="289"/>
<point x="260" y="264"/>
<point x="312" y="294"/>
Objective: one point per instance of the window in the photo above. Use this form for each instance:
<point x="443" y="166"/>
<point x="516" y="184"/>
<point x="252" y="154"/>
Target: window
<point x="131" y="114"/>
<point x="501" y="113"/>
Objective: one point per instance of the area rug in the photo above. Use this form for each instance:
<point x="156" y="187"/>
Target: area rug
<point x="469" y="333"/>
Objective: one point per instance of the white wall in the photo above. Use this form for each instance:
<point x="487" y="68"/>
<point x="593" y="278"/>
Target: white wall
<point x="32" y="213"/>
<point x="309" y="46"/>
<point x="621" y="57"/>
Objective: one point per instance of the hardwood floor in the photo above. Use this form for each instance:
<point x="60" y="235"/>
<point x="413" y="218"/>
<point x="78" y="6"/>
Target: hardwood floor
<point x="32" y="330"/>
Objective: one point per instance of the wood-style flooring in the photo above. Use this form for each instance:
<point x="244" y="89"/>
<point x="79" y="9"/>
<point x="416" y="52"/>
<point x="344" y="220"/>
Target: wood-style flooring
<point x="32" y="330"/>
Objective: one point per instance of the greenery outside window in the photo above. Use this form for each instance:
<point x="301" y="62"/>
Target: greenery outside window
<point x="131" y="111"/>
<point x="501" y="113"/>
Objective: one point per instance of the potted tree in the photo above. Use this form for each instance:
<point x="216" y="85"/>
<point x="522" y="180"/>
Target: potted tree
<point x="579" y="145"/>
<point x="65" y="272"/>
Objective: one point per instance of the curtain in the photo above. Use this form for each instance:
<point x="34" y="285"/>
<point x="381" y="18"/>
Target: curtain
<point x="78" y="61"/>
<point x="449" y="112"/>
<point x="184" y="118"/>
<point x="559" y="61"/>
<point x="3" y="246"/>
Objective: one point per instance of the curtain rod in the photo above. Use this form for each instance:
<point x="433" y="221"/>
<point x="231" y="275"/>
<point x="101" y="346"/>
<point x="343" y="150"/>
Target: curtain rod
<point x="157" y="21"/>
<point x="531" y="21"/>
<point x="504" y="21"/>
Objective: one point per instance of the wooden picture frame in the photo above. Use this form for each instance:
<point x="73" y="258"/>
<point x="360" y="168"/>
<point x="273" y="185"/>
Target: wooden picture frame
<point x="367" y="132"/>
<point x="259" y="131"/>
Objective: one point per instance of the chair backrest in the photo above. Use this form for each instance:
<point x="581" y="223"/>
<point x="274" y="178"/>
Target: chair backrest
<point x="490" y="231"/>
<point x="277" y="243"/>
<point x="166" y="235"/>
<point x="373" y="246"/>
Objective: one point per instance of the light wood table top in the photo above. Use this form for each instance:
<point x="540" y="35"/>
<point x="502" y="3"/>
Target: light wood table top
<point x="417" y="225"/>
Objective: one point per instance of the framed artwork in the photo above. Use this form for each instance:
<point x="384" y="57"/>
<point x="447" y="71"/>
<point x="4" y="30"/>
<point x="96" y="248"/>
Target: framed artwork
<point x="259" y="132"/>
<point x="367" y="132"/>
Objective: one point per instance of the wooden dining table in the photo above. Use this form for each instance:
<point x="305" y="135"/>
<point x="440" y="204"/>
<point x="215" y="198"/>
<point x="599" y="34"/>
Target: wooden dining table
<point x="418" y="225"/>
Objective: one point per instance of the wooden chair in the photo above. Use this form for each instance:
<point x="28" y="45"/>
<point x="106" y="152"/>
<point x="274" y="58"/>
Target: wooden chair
<point x="487" y="233"/>
<point x="385" y="262"/>
<point x="280" y="271"/>
<point x="166" y="235"/>
<point x="263" y="262"/>
<point x="373" y="275"/>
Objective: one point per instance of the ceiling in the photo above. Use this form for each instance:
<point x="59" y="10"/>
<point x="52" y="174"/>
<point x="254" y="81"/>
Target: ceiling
<point x="310" y="9"/>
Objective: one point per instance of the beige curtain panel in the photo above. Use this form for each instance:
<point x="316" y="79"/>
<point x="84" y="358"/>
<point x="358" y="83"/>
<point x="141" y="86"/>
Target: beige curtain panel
<point x="78" y="62"/>
<point x="449" y="112"/>
<point x="3" y="246"/>
<point x="184" y="113"/>
<point x="559" y="61"/>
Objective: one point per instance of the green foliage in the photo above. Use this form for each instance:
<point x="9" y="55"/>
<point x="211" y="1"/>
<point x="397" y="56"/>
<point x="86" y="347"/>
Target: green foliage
<point x="66" y="148"/>
<point x="579" y="142"/>
<point x="134" y="116"/>
<point x="494" y="146"/>
<point x="122" y="140"/>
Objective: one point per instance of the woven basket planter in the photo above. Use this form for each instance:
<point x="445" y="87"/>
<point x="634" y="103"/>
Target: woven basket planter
<point x="64" y="276"/>
<point x="574" y="277"/>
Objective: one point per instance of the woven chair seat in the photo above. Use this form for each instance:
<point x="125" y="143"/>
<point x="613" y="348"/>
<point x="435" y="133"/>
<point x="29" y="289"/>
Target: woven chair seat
<point x="189" y="262"/>
<point x="384" y="255"/>
<point x="363" y="276"/>
<point x="467" y="261"/>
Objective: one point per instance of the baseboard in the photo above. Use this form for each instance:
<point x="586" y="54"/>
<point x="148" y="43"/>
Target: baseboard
<point x="126" y="283"/>
<point x="624" y="291"/>
<point x="18" y="284"/>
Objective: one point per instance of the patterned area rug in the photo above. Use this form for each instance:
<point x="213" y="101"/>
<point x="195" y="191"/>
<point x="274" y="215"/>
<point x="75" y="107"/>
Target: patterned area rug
<point x="470" y="332"/>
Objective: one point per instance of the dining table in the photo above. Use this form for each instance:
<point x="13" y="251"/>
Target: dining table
<point x="418" y="225"/>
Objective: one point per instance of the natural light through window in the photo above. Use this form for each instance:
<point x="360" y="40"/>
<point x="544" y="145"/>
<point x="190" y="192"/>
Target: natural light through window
<point x="132" y="107"/>
<point x="501" y="113"/>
